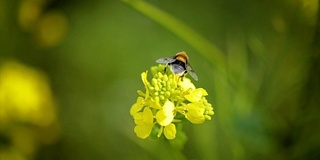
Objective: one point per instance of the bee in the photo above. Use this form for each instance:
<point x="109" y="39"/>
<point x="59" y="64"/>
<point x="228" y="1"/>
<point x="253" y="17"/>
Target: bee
<point x="179" y="64"/>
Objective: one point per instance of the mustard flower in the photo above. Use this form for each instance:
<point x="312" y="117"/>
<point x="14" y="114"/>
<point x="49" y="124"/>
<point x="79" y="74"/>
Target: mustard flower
<point x="167" y="97"/>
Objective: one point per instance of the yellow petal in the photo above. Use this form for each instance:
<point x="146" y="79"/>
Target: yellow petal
<point x="144" y="78"/>
<point x="154" y="104"/>
<point x="204" y="92"/>
<point x="194" y="96"/>
<point x="138" y="118"/>
<point x="170" y="131"/>
<point x="165" y="115"/>
<point x="143" y="131"/>
<point x="168" y="106"/>
<point x="147" y="116"/>
<point x="195" y="119"/>
<point x="137" y="106"/>
<point x="163" y="119"/>
<point x="186" y="84"/>
<point x="195" y="113"/>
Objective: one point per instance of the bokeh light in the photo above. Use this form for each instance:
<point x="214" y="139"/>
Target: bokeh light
<point x="27" y="109"/>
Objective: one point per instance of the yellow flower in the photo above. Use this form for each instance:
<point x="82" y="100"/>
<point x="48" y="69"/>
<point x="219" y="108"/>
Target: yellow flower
<point x="166" y="98"/>
<point x="28" y="111"/>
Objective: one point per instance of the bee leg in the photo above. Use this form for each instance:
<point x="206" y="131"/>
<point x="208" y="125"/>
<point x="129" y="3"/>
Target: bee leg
<point x="183" y="75"/>
<point x="165" y="68"/>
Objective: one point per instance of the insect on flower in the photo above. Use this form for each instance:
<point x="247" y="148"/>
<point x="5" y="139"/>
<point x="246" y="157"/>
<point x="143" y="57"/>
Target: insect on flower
<point x="179" y="64"/>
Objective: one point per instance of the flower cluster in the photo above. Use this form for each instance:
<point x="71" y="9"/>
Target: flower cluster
<point x="167" y="100"/>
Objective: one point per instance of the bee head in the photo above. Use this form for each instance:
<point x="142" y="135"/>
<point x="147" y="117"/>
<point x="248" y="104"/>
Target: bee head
<point x="182" y="56"/>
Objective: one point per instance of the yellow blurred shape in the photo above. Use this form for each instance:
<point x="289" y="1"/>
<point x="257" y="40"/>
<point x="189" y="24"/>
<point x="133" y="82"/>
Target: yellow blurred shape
<point x="29" y="13"/>
<point x="310" y="10"/>
<point x="48" y="27"/>
<point x="279" y="23"/>
<point x="11" y="154"/>
<point x="51" y="28"/>
<point x="25" y="96"/>
<point x="25" y="140"/>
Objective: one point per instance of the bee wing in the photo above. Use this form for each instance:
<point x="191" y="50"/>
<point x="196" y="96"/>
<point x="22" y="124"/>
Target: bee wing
<point x="165" y="60"/>
<point x="191" y="72"/>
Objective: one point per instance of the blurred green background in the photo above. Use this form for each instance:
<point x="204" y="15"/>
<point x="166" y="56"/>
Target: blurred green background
<point x="69" y="72"/>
